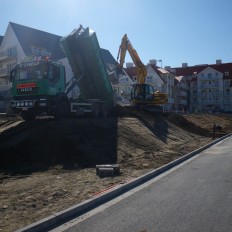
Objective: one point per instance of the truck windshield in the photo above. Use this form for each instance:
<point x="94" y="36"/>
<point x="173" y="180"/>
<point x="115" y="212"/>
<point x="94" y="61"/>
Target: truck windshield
<point x="32" y="70"/>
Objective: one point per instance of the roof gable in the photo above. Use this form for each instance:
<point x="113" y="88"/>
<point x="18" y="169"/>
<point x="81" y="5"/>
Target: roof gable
<point x="28" y="37"/>
<point x="181" y="81"/>
<point x="208" y="69"/>
<point x="107" y="57"/>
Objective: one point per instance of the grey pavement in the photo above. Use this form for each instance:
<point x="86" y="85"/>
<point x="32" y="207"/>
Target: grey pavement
<point x="195" y="196"/>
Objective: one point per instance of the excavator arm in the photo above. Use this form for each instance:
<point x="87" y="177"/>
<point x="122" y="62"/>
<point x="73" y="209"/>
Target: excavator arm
<point x="140" y="67"/>
<point x="141" y="93"/>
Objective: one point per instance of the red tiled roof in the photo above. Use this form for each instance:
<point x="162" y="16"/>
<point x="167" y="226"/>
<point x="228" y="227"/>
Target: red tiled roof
<point x="191" y="70"/>
<point x="131" y="71"/>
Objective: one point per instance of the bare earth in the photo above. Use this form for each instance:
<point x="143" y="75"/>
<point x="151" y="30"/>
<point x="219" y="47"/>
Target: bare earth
<point x="47" y="165"/>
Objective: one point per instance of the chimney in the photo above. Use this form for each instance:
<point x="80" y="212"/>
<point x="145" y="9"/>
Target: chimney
<point x="129" y="65"/>
<point x="219" y="61"/>
<point x="168" y="68"/>
<point x="153" y="61"/>
<point x="184" y="65"/>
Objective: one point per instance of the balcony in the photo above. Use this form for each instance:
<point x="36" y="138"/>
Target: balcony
<point x="8" y="55"/>
<point x="183" y="102"/>
<point x="4" y="88"/>
<point x="183" y="93"/>
<point x="170" y="100"/>
<point x="207" y="102"/>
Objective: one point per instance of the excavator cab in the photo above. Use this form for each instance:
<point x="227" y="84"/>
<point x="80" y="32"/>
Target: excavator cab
<point x="142" y="93"/>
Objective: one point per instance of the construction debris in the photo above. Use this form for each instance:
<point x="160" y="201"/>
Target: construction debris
<point x="108" y="170"/>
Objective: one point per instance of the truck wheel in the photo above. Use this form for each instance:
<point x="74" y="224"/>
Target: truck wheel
<point x="96" y="110"/>
<point x="27" y="116"/>
<point x="9" y="110"/>
<point x="62" y="110"/>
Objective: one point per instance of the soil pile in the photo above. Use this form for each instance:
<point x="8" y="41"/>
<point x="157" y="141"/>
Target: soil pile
<point x="48" y="165"/>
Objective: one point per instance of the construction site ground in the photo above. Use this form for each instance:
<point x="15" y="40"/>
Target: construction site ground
<point x="49" y="165"/>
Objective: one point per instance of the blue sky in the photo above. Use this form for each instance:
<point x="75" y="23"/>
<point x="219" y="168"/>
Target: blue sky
<point x="176" y="31"/>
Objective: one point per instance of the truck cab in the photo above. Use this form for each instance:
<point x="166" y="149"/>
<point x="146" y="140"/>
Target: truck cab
<point x="37" y="87"/>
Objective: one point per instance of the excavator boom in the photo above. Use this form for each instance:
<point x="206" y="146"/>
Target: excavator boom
<point x="140" y="67"/>
<point x="142" y="93"/>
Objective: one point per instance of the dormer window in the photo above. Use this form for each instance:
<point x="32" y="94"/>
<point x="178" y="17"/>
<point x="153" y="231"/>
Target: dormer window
<point x="38" y="51"/>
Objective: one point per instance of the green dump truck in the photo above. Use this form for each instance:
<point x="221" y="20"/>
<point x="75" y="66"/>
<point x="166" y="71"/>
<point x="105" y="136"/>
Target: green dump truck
<point x="40" y="86"/>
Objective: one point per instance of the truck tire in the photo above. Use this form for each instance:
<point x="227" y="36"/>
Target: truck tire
<point x="9" y="110"/>
<point x="62" y="110"/>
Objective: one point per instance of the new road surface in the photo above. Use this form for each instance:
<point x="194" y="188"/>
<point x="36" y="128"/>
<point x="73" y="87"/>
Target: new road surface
<point x="194" y="196"/>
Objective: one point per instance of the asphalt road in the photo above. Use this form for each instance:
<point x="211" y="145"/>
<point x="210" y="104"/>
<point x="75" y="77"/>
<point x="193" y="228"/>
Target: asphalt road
<point x="196" y="196"/>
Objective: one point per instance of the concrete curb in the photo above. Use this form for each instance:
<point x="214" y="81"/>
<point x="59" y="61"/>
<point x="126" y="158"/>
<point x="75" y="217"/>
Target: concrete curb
<point x="76" y="210"/>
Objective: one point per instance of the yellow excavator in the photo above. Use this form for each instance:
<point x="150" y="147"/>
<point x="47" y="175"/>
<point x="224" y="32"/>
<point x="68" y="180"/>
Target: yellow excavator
<point x="141" y="93"/>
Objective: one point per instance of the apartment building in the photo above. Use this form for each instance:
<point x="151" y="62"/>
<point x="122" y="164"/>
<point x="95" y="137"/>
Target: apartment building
<point x="210" y="86"/>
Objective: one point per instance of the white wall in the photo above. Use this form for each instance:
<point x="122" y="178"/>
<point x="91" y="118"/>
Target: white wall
<point x="10" y="40"/>
<point x="155" y="80"/>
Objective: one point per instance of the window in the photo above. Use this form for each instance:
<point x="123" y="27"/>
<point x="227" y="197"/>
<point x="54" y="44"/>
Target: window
<point x="11" y="52"/>
<point x="226" y="74"/>
<point x="216" y="92"/>
<point x="149" y="79"/>
<point x="209" y="75"/>
<point x="55" y="73"/>
<point x="36" y="70"/>
<point x="37" y="51"/>
<point x="227" y="83"/>
<point x="227" y="92"/>
<point x="226" y="100"/>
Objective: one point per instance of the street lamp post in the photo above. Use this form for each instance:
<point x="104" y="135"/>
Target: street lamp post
<point x="160" y="62"/>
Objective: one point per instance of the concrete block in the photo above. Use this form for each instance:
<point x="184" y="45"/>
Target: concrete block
<point x="107" y="169"/>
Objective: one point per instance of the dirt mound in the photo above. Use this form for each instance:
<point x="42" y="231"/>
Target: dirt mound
<point x="188" y="125"/>
<point x="48" y="165"/>
<point x="87" y="142"/>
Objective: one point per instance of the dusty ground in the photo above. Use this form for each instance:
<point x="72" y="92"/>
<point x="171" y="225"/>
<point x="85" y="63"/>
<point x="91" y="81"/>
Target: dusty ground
<point x="47" y="165"/>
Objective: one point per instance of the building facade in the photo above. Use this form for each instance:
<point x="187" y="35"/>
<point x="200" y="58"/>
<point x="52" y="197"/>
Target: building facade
<point x="180" y="94"/>
<point x="210" y="87"/>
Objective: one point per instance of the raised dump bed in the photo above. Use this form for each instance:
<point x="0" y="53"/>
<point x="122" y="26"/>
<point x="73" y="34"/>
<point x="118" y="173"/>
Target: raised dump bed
<point x="83" y="52"/>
